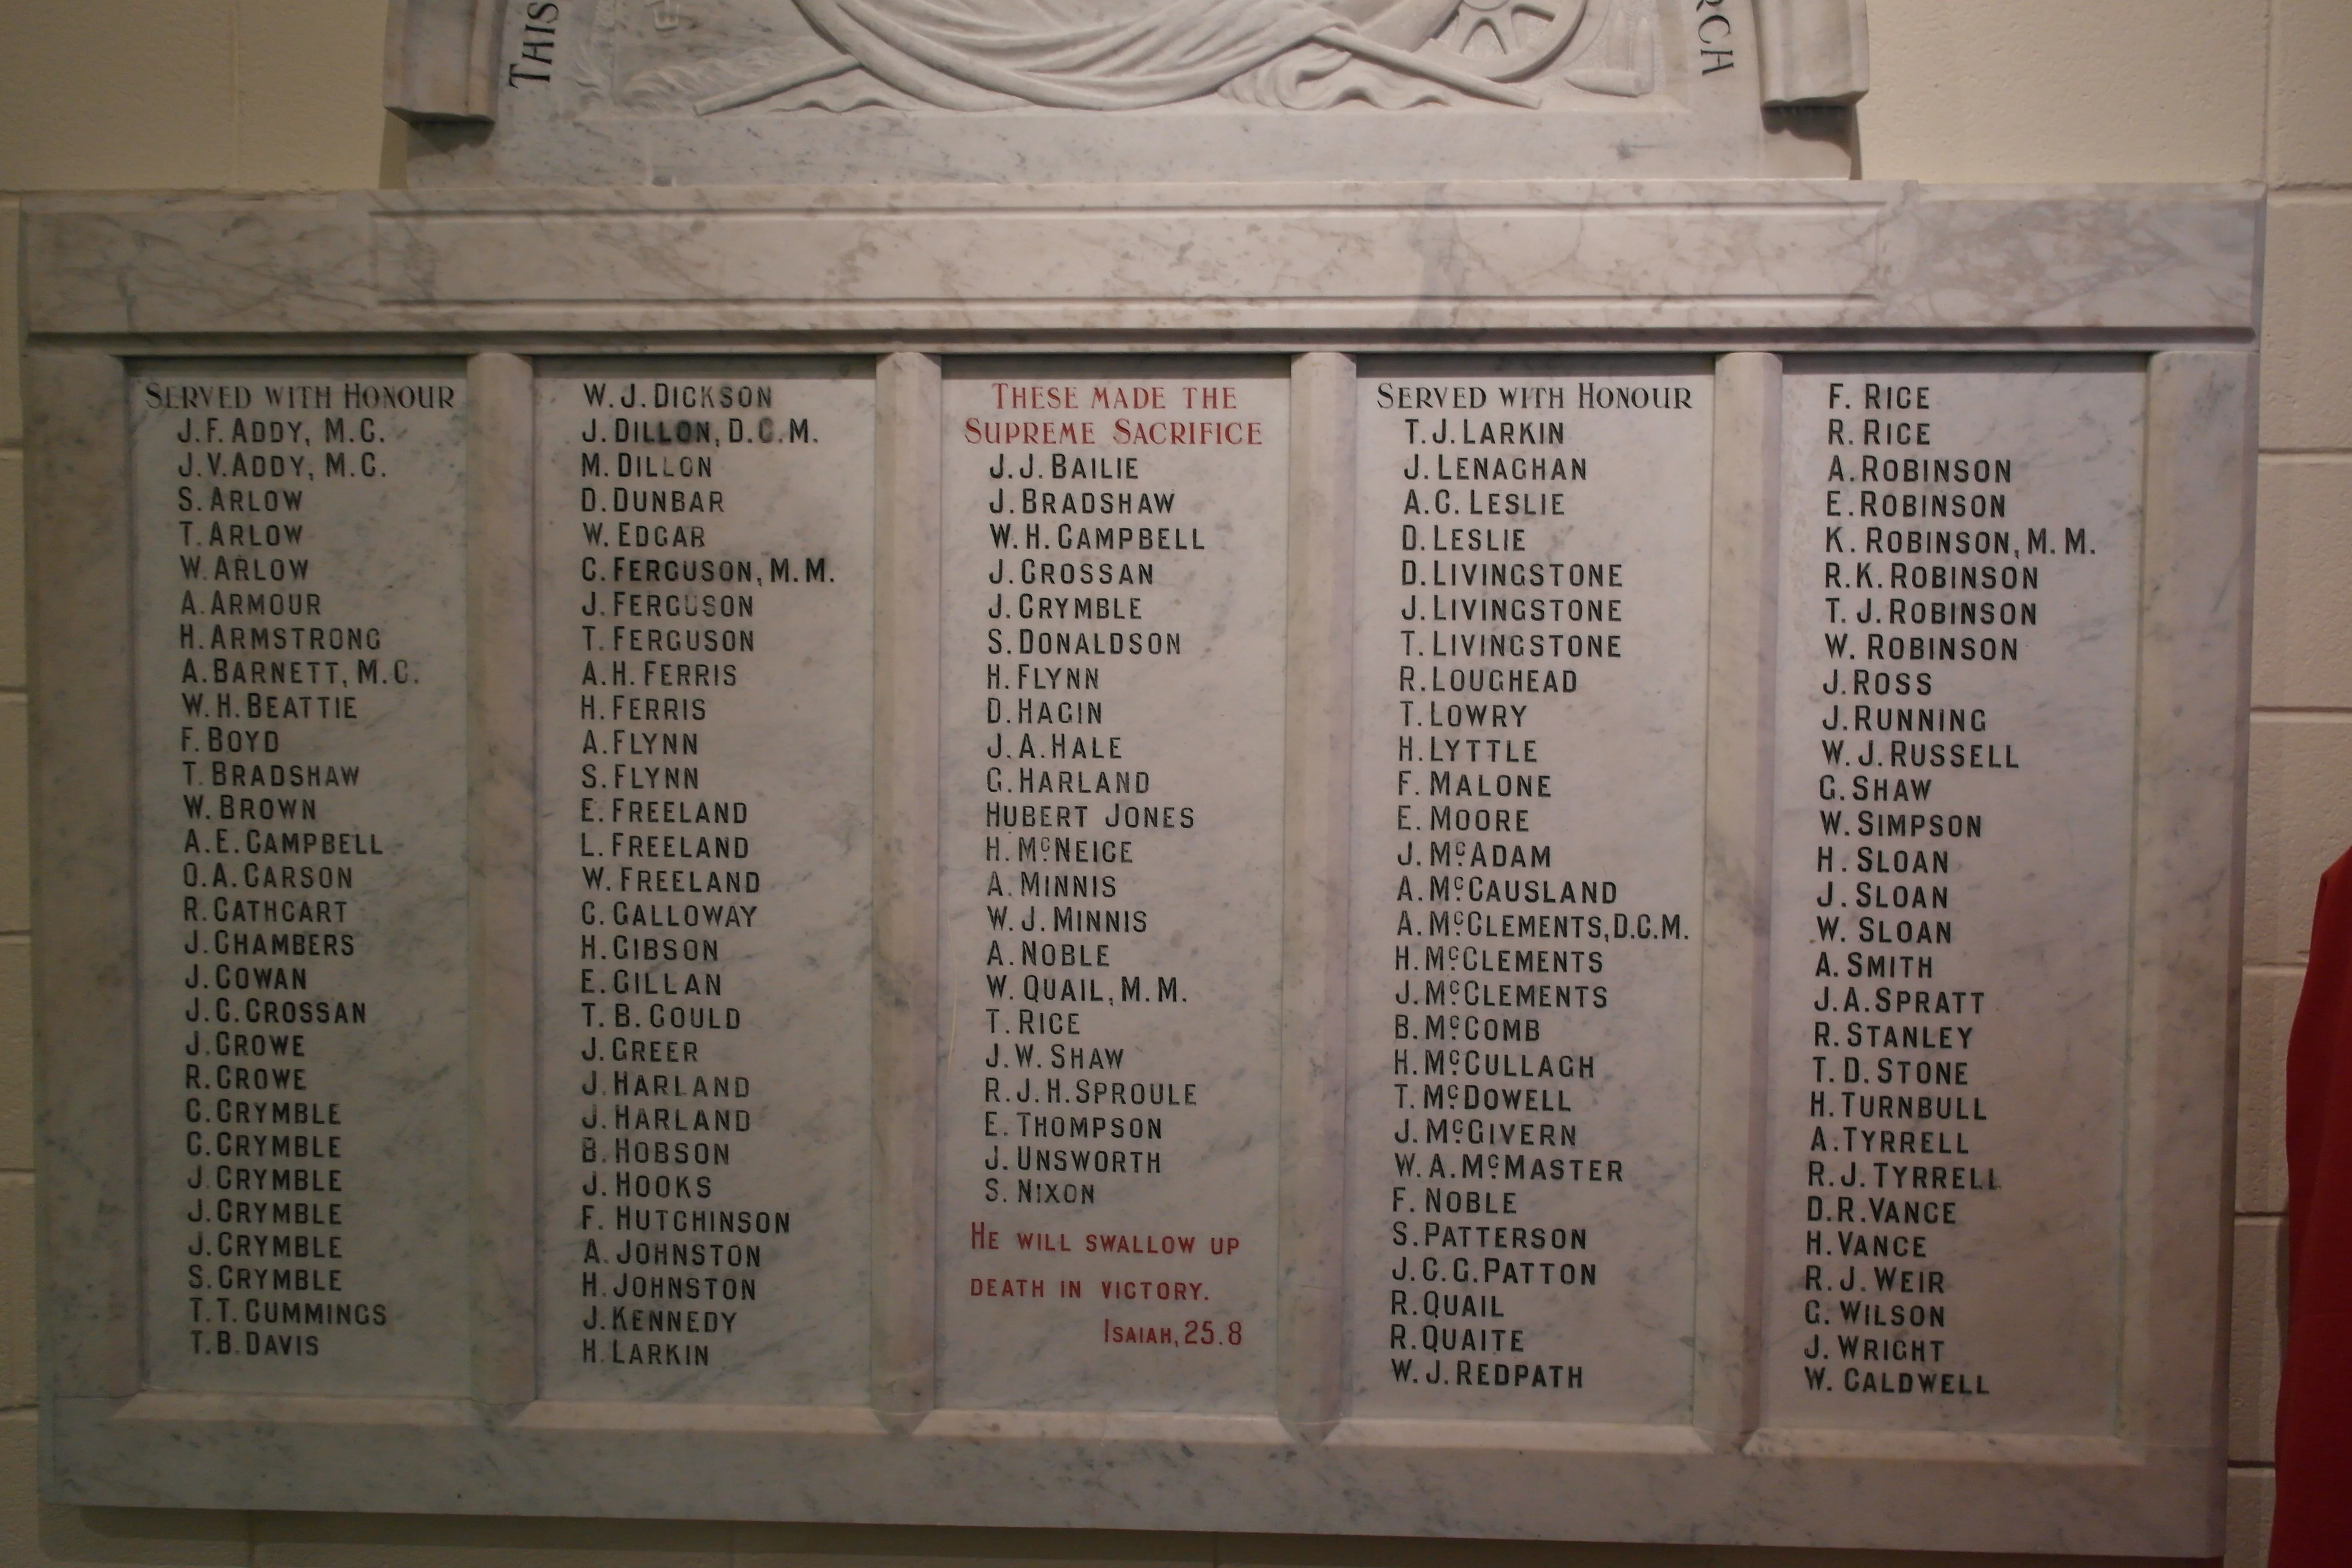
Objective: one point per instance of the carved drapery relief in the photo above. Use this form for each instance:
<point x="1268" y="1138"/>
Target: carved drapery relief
<point x="1130" y="54"/>
<point x="1604" y="46"/>
<point x="977" y="55"/>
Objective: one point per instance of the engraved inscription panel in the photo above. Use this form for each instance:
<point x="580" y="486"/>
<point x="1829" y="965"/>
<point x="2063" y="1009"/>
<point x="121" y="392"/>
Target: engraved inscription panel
<point x="1110" y="884"/>
<point x="1951" y="888"/>
<point x="705" y="766"/>
<point x="1530" y="677"/>
<point x="298" y="576"/>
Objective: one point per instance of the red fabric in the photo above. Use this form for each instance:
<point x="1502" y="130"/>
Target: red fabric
<point x="2314" y="1523"/>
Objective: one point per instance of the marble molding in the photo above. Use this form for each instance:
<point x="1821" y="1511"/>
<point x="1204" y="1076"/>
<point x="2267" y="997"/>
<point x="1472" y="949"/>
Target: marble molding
<point x="1747" y="295"/>
<point x="1786" y="264"/>
<point x="439" y="59"/>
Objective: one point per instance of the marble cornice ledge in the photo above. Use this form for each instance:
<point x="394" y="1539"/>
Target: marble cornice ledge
<point x="1367" y="264"/>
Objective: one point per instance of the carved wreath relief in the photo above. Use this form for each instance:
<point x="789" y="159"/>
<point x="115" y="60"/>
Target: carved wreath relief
<point x="725" y="57"/>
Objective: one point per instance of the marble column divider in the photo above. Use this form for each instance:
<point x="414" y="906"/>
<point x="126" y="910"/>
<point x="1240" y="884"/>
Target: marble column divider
<point x="1318" y="733"/>
<point x="85" y="980"/>
<point x="1742" y="615"/>
<point x="906" y="1044"/>
<point x="501" y="871"/>
<point x="2189" y="871"/>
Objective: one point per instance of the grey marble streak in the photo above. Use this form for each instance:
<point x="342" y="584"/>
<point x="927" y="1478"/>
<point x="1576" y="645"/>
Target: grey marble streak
<point x="1734" y="926"/>
<point x="906" y="1007"/>
<point x="501" y="871"/>
<point x="1319" y="718"/>
<point x="1299" y="262"/>
<point x="2196" y="593"/>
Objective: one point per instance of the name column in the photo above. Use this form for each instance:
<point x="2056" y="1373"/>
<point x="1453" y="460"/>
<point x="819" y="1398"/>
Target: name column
<point x="1952" y="883"/>
<point x="1530" y="743"/>
<point x="705" y="843"/>
<point x="1110" y="885"/>
<point x="299" y="572"/>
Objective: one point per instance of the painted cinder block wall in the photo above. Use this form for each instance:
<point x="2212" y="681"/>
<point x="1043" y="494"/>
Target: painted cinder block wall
<point x="252" y="95"/>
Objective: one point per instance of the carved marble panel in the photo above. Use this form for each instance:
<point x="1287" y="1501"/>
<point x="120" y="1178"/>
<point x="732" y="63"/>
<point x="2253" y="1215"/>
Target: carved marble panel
<point x="1110" y="905"/>
<point x="706" y="609"/>
<point x="301" y="692"/>
<point x="1531" y="556"/>
<point x="697" y="92"/>
<point x="1959" y="584"/>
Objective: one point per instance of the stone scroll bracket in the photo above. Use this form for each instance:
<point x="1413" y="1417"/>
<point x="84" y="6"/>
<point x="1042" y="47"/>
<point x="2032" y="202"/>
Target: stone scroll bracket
<point x="440" y="58"/>
<point x="1814" y="52"/>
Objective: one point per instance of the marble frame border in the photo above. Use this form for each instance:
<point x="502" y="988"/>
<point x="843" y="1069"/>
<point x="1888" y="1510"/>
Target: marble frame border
<point x="139" y="267"/>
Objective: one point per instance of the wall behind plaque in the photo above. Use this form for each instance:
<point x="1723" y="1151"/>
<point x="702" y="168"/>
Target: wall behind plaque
<point x="282" y="94"/>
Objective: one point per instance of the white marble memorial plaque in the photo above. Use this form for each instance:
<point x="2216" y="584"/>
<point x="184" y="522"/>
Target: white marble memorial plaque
<point x="299" y="569"/>
<point x="1961" y="577"/>
<point x="1531" y="584"/>
<point x="704" y="794"/>
<point x="1207" y="810"/>
<point x="1110" y="883"/>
